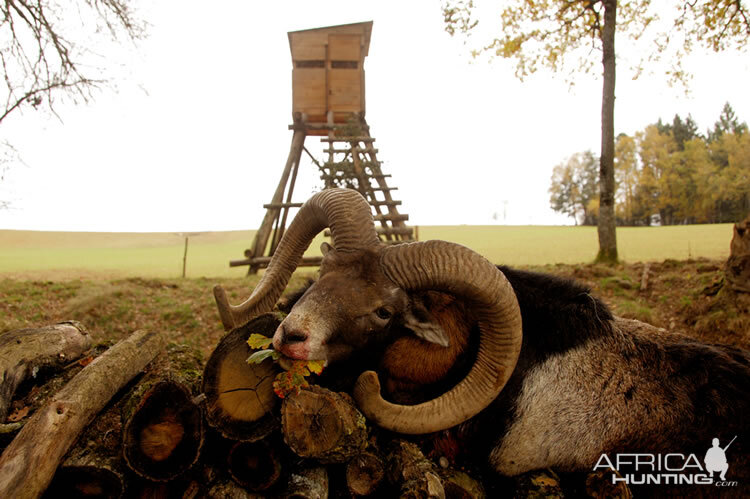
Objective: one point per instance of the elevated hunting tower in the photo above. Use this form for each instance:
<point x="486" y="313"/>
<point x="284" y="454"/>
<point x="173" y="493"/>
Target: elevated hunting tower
<point x="328" y="100"/>
<point x="328" y="79"/>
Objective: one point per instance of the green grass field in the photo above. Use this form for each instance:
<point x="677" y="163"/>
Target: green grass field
<point x="29" y="254"/>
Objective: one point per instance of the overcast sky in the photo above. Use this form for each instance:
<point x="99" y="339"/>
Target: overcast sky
<point x="195" y="136"/>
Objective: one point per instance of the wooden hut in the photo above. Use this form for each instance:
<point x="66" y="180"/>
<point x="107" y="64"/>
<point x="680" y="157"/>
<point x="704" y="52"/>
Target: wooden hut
<point x="328" y="76"/>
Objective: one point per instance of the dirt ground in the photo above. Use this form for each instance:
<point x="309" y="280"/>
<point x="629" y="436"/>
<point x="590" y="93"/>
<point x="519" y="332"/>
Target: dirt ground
<point x="681" y="296"/>
<point x="687" y="297"/>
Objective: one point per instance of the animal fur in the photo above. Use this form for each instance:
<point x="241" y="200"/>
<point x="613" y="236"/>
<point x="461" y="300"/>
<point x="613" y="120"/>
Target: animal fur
<point x="585" y="383"/>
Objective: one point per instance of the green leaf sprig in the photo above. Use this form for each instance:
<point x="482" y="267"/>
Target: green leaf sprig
<point x="291" y="379"/>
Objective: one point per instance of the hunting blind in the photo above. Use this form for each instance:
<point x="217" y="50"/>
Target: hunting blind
<point x="328" y="100"/>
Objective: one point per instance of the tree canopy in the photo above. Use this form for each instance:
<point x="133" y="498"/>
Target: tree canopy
<point x="574" y="189"/>
<point x="563" y="34"/>
<point x="673" y="171"/>
<point x="53" y="47"/>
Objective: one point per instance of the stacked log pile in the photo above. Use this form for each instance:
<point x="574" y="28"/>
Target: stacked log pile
<point x="141" y="419"/>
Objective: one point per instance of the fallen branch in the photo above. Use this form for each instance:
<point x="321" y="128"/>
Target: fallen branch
<point x="24" y="352"/>
<point x="30" y="461"/>
<point x="94" y="466"/>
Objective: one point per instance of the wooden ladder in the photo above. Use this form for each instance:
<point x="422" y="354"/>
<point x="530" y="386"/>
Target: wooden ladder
<point x="352" y="163"/>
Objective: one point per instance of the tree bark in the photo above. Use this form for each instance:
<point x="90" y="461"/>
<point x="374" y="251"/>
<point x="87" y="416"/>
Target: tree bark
<point x="412" y="473"/>
<point x="30" y="461"/>
<point x="40" y="392"/>
<point x="459" y="484"/>
<point x="324" y="425"/>
<point x="364" y="473"/>
<point x="309" y="483"/>
<point x="24" y="352"/>
<point x="94" y="467"/>
<point x="163" y="426"/>
<point x="644" y="277"/>
<point x="606" y="225"/>
<point x="239" y="396"/>
<point x="737" y="270"/>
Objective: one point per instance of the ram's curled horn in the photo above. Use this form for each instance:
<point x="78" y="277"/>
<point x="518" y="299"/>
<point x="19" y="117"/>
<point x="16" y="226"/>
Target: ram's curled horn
<point x="455" y="269"/>
<point x="349" y="217"/>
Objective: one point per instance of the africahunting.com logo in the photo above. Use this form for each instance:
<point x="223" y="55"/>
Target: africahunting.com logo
<point x="670" y="469"/>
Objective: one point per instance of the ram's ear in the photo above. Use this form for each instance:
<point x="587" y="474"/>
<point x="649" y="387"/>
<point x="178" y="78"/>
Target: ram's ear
<point x="419" y="319"/>
<point x="325" y="248"/>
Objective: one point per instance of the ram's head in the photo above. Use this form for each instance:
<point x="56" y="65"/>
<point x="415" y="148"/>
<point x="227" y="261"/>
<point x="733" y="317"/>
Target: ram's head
<point x="363" y="285"/>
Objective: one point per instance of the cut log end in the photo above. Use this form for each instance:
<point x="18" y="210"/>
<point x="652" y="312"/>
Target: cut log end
<point x="239" y="396"/>
<point x="254" y="465"/>
<point x="245" y="392"/>
<point x="28" y="464"/>
<point x="159" y="439"/>
<point x="163" y="436"/>
<point x="324" y="425"/>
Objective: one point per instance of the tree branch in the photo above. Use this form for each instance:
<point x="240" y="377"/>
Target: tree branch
<point x="41" y="58"/>
<point x="53" y="86"/>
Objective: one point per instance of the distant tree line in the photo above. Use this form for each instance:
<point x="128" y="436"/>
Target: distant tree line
<point x="668" y="172"/>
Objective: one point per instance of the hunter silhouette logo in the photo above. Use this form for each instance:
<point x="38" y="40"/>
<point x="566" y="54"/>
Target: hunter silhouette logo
<point x="670" y="469"/>
<point x="716" y="459"/>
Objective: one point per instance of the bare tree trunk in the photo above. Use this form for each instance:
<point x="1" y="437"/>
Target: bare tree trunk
<point x="737" y="269"/>
<point x="606" y="226"/>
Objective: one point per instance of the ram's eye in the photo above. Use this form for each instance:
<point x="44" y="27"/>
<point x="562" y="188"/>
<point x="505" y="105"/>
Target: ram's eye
<point x="383" y="313"/>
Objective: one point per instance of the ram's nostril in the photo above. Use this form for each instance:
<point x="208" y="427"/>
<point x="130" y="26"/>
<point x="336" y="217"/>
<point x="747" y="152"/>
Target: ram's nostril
<point x="295" y="337"/>
<point x="292" y="336"/>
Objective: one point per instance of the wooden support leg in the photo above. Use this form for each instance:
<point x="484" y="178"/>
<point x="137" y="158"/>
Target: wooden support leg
<point x="264" y="232"/>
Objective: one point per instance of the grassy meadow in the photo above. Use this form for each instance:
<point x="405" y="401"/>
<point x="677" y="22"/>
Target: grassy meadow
<point x="118" y="283"/>
<point x="60" y="255"/>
